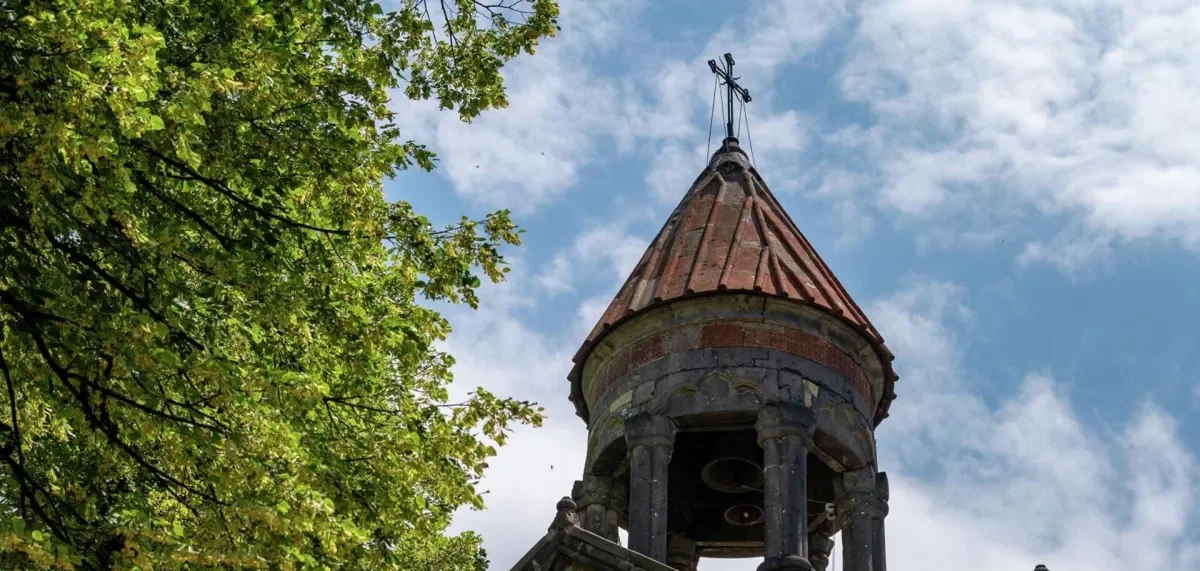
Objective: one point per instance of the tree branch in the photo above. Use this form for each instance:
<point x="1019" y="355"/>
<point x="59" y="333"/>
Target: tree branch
<point x="108" y="429"/>
<point x="220" y="187"/>
<point x="16" y="426"/>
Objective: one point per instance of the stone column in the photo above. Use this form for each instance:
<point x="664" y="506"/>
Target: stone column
<point x="880" y="511"/>
<point x="785" y="433"/>
<point x="820" y="546"/>
<point x="681" y="553"/>
<point x="618" y="502"/>
<point x="650" y="439"/>
<point x="594" y="501"/>
<point x="856" y="510"/>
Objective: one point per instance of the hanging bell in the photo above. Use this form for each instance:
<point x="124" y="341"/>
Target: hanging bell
<point x="734" y="469"/>
<point x="744" y="515"/>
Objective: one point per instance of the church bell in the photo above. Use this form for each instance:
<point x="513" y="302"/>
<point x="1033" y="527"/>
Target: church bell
<point x="744" y="515"/>
<point x="734" y="469"/>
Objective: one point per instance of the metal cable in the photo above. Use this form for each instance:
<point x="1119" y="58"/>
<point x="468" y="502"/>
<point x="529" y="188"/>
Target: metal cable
<point x="724" y="120"/>
<point x="749" y="139"/>
<point x="711" y="115"/>
<point x="740" y="116"/>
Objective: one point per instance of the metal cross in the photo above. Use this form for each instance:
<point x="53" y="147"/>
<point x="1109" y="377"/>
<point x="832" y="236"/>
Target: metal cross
<point x="726" y="74"/>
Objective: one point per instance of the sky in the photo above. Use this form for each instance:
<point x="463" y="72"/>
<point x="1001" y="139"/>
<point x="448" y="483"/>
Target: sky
<point x="1010" y="189"/>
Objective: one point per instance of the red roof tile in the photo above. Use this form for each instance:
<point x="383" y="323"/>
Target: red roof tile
<point x="729" y="233"/>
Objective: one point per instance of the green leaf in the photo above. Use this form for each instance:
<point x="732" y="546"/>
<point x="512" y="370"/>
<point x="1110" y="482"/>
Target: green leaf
<point x="241" y="319"/>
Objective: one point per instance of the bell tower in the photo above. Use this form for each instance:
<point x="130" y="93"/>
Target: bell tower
<point x="731" y="392"/>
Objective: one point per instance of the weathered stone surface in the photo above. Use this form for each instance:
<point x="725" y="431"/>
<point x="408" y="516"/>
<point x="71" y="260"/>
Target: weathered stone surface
<point x="730" y="321"/>
<point x="681" y="553"/>
<point x="840" y="411"/>
<point x="785" y="432"/>
<point x="567" y="547"/>
<point x="758" y="338"/>
<point x="857" y="505"/>
<point x="820" y="547"/>
<point x="878" y="546"/>
<point x="650" y="439"/>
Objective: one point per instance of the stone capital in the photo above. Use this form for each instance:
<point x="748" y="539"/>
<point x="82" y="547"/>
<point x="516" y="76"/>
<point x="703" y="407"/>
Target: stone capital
<point x="852" y="504"/>
<point x="882" y="490"/>
<point x="861" y="480"/>
<point x="779" y="420"/>
<point x="618" y="495"/>
<point x="594" y="490"/>
<point x="863" y="492"/>
<point x="649" y="430"/>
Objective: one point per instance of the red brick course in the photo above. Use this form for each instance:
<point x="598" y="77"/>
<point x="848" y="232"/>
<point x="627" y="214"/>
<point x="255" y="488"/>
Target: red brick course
<point x="730" y="335"/>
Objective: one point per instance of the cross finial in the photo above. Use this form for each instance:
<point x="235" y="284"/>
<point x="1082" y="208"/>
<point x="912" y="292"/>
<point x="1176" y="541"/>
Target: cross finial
<point x="725" y="72"/>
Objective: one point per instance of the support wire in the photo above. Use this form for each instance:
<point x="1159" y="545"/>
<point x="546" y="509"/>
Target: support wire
<point x="749" y="139"/>
<point x="711" y="115"/>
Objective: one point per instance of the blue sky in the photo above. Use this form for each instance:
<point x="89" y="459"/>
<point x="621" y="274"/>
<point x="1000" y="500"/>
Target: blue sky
<point x="1011" y="190"/>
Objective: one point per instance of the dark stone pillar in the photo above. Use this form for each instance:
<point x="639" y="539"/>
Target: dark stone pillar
<point x="594" y="501"/>
<point x="650" y="439"/>
<point x="785" y="433"/>
<point x="820" y="546"/>
<point x="618" y="502"/>
<point x="856" y="509"/>
<point x="681" y="553"/>
<point x="880" y="511"/>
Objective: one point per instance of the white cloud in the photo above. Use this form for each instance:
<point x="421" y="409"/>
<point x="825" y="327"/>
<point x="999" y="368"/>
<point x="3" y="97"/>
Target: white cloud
<point x="1086" y="109"/>
<point x="775" y="34"/>
<point x="609" y="249"/>
<point x="975" y="485"/>
<point x="613" y="245"/>
<point x="529" y="153"/>
<point x="843" y="188"/>
<point x="555" y="276"/>
<point x="496" y="349"/>
<point x="1025" y="481"/>
<point x="561" y="107"/>
<point x="987" y="112"/>
<point x="592" y="309"/>
<point x="674" y="170"/>
<point x="1074" y="256"/>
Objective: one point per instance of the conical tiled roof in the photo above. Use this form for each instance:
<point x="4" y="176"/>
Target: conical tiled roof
<point x="729" y="233"/>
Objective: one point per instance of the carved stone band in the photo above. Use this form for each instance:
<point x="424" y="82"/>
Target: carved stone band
<point x="861" y="503"/>
<point x="649" y="430"/>
<point x="859" y="481"/>
<point x="596" y="490"/>
<point x="779" y="420"/>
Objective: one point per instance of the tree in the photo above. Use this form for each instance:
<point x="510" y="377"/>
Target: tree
<point x="215" y="345"/>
